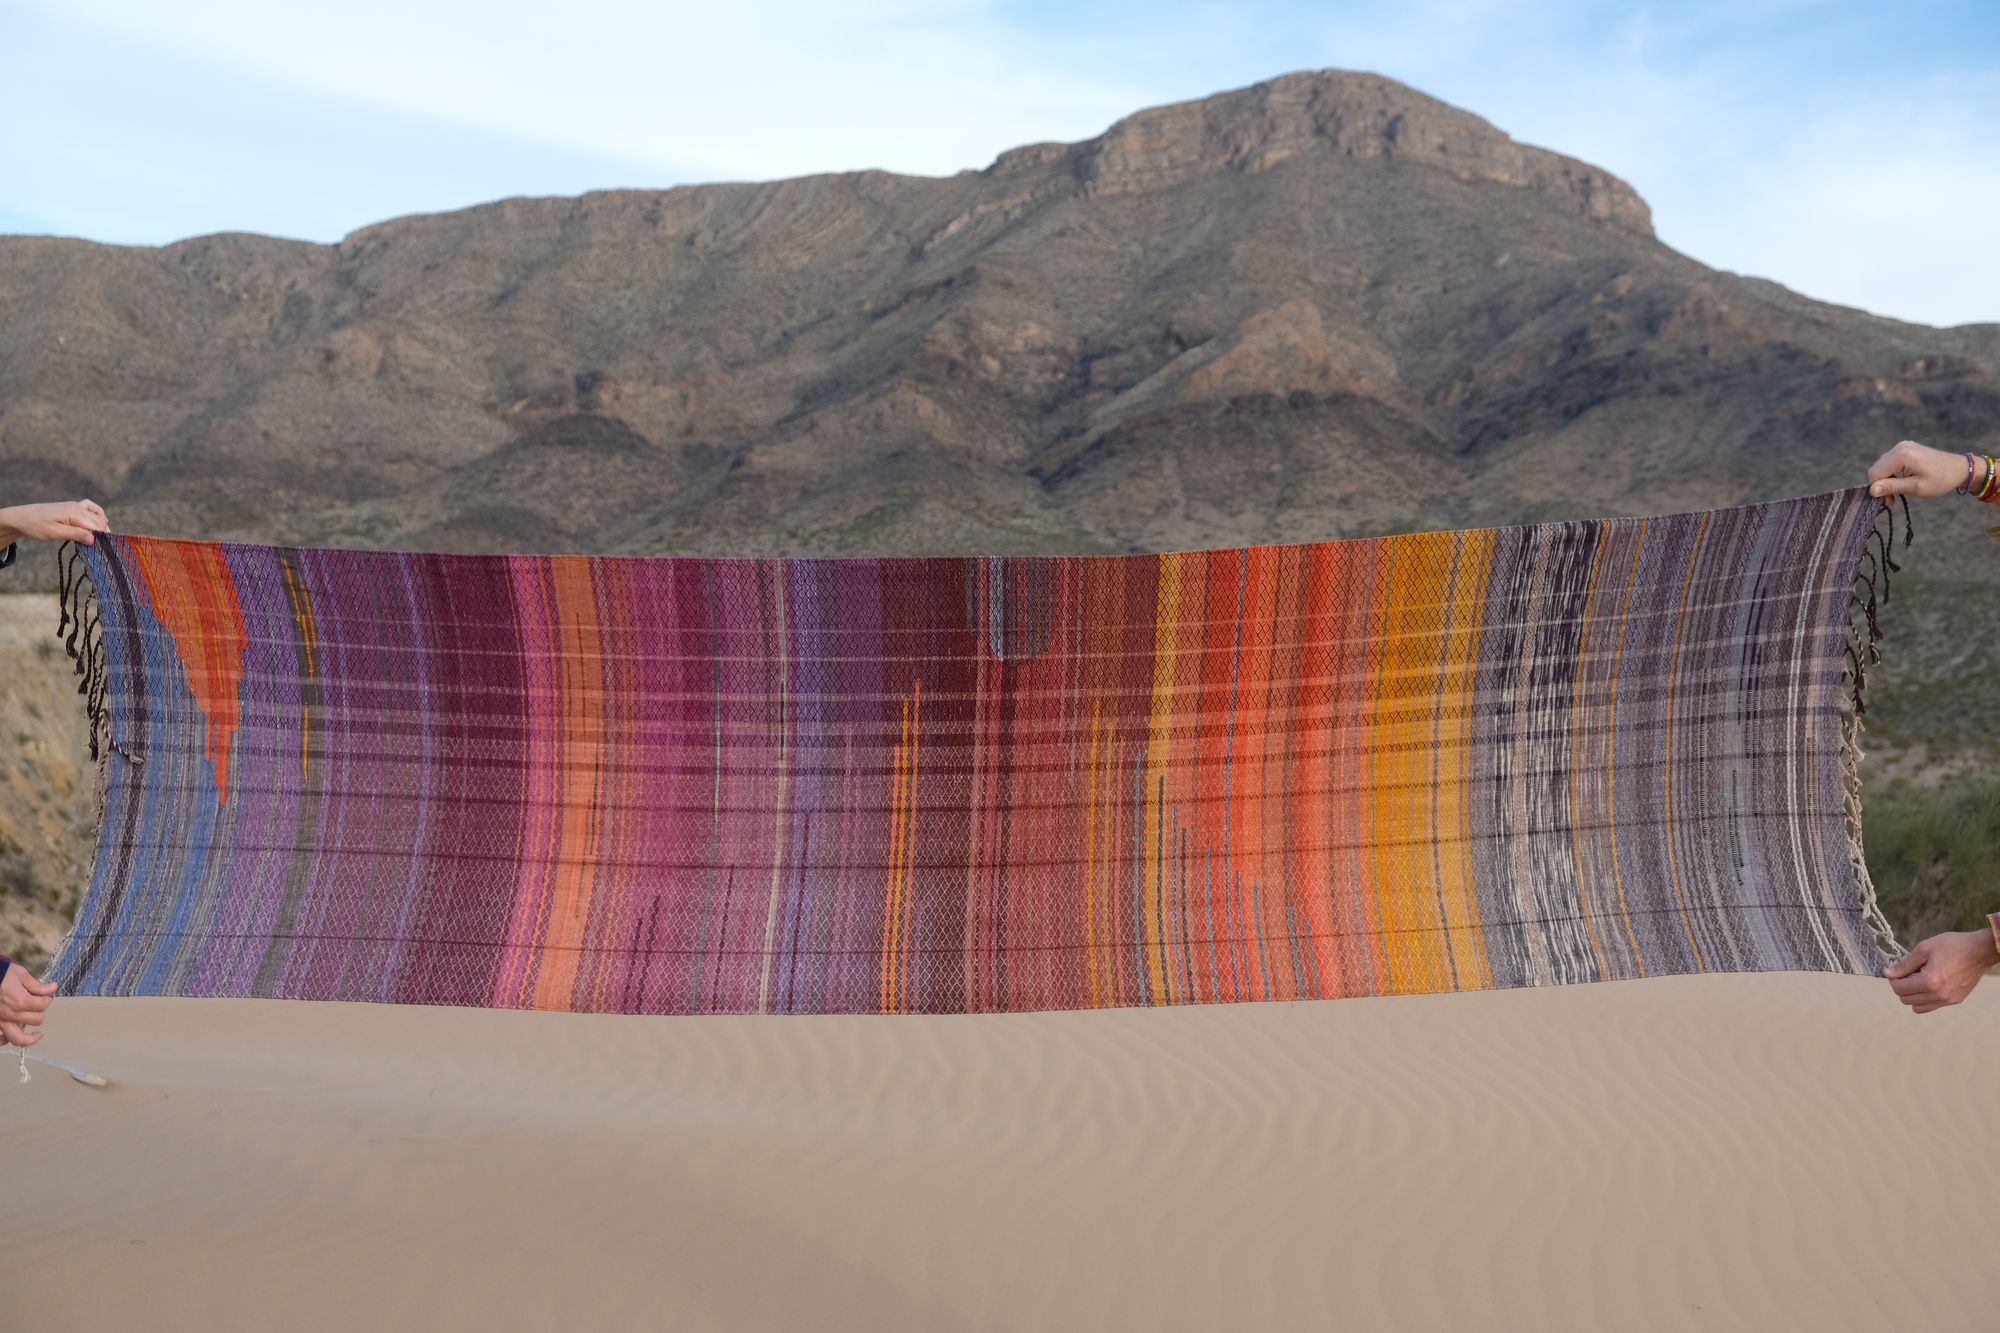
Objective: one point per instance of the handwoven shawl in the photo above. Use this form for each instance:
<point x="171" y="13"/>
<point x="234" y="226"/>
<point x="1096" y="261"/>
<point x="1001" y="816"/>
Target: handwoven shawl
<point x="1441" y="761"/>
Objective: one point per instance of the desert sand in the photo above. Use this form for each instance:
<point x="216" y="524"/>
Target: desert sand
<point x="1782" y="1151"/>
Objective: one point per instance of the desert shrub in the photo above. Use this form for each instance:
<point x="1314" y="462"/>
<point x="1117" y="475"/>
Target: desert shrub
<point x="1934" y="854"/>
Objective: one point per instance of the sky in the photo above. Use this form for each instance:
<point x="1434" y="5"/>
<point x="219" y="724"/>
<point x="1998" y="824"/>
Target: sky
<point x="1850" y="151"/>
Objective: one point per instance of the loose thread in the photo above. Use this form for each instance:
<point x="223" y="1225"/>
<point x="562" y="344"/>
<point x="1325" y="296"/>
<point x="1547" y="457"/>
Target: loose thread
<point x="1886" y="562"/>
<point x="63" y="581"/>
<point x="83" y="1076"/>
<point x="93" y="703"/>
<point x="75" y="629"/>
<point x="1874" y="628"/>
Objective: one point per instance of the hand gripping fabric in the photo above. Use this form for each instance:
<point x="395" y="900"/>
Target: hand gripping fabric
<point x="1514" y="756"/>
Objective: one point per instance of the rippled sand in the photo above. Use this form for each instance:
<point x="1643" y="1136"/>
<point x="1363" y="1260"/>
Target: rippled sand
<point x="1755" y="1152"/>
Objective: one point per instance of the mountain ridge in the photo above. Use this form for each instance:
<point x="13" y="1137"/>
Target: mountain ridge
<point x="1320" y="305"/>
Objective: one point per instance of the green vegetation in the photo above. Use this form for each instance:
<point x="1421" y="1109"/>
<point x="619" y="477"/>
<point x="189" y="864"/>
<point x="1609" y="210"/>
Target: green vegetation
<point x="1943" y="636"/>
<point x="1934" y="854"/>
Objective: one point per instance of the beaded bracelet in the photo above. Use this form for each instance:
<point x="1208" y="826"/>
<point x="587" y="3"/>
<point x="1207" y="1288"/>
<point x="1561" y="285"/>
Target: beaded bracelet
<point x="1991" y="490"/>
<point x="1971" y="463"/>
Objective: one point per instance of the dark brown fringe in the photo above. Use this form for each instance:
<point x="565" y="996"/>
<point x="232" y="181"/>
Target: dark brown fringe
<point x="1879" y="560"/>
<point x="83" y="620"/>
<point x="1869" y="590"/>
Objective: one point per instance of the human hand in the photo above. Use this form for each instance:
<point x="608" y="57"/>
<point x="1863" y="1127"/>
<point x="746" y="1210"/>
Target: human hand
<point x="23" y="1003"/>
<point x="71" y="519"/>
<point x="1910" y="468"/>
<point x="1943" y="969"/>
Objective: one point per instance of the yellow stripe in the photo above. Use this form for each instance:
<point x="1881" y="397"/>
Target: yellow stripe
<point x="910" y="829"/>
<point x="890" y="917"/>
<point x="1404" y="745"/>
<point x="1468" y="937"/>
<point x="295" y="588"/>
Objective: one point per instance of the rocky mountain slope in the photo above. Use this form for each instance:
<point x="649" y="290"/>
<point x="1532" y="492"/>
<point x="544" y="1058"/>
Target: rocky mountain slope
<point x="1323" y="305"/>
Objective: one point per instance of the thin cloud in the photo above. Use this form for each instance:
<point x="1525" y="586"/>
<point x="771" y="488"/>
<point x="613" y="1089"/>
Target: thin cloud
<point x="782" y="88"/>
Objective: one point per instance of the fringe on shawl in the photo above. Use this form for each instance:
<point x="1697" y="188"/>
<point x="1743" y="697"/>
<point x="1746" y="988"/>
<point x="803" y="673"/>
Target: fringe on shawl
<point x="81" y="630"/>
<point x="1871" y="586"/>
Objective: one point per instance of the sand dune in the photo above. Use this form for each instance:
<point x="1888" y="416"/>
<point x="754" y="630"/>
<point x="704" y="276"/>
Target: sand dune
<point x="1756" y="1152"/>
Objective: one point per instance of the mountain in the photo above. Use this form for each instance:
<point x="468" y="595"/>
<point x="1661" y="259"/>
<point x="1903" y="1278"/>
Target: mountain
<point x="1323" y="305"/>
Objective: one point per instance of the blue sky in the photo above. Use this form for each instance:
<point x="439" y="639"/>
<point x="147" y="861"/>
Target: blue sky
<point x="1848" y="150"/>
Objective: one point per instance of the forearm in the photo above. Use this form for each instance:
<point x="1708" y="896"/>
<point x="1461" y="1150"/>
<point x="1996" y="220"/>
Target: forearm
<point x="59" y="520"/>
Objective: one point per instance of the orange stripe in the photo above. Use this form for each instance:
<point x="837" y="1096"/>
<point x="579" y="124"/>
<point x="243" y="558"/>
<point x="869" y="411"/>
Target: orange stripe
<point x="579" y="773"/>
<point x="1217" y="613"/>
<point x="1310" y="734"/>
<point x="1166" y="581"/>
<point x="194" y="599"/>
<point x="1253" y="720"/>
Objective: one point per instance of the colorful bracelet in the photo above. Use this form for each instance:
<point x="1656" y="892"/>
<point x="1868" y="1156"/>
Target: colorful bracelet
<point x="1971" y="463"/>
<point x="1990" y="491"/>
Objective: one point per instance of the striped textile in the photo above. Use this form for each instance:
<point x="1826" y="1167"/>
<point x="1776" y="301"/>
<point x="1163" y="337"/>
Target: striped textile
<point x="1511" y="756"/>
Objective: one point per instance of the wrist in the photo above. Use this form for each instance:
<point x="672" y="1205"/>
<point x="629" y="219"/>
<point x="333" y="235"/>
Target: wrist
<point x="9" y="530"/>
